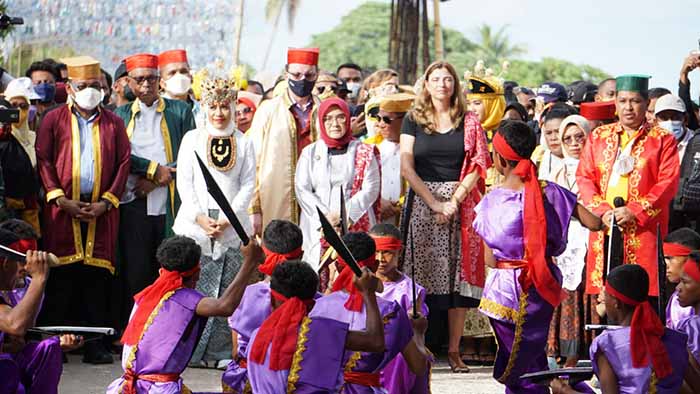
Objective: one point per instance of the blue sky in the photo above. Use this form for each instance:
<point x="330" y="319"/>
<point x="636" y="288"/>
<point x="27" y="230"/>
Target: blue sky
<point x="618" y="36"/>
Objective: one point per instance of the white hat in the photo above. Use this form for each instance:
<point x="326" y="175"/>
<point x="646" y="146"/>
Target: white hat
<point x="21" y="87"/>
<point x="669" y="102"/>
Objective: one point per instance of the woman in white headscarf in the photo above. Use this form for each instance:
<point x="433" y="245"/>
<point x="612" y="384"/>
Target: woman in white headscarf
<point x="566" y="329"/>
<point x="230" y="159"/>
<point x="18" y="156"/>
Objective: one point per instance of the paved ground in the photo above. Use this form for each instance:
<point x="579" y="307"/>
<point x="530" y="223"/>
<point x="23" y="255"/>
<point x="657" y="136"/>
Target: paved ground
<point x="79" y="378"/>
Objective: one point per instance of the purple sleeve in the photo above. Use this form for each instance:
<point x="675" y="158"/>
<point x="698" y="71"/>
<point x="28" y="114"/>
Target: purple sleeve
<point x="691" y="327"/>
<point x="559" y="206"/>
<point x="397" y="332"/>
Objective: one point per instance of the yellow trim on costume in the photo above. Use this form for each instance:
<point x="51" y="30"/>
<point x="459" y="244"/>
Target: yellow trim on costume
<point x="168" y="150"/>
<point x="654" y="381"/>
<point x="134" y="110"/>
<point x="352" y="361"/>
<point x="111" y="198"/>
<point x="293" y="208"/>
<point x="132" y="355"/>
<point x="75" y="195"/>
<point x="298" y="355"/>
<point x="498" y="309"/>
<point x="54" y="194"/>
<point x="519" y="322"/>
<point x="151" y="171"/>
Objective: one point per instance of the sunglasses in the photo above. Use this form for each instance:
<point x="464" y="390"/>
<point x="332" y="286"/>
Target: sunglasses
<point x="322" y="89"/>
<point x="387" y="119"/>
<point x="244" y="111"/>
<point x="22" y="106"/>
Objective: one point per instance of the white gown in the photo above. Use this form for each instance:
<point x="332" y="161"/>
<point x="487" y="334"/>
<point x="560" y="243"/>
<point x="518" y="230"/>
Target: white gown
<point x="318" y="179"/>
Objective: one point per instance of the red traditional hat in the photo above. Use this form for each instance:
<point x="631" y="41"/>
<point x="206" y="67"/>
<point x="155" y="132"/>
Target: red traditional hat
<point x="600" y="110"/>
<point x="172" y="56"/>
<point x="303" y="56"/>
<point x="141" y="60"/>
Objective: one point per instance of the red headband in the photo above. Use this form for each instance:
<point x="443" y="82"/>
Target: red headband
<point x="344" y="282"/>
<point x="387" y="243"/>
<point x="24" y="245"/>
<point x="691" y="268"/>
<point x="149" y="298"/>
<point x="534" y="226"/>
<point x="281" y="330"/>
<point x="676" y="250"/>
<point x="646" y="331"/>
<point x="273" y="259"/>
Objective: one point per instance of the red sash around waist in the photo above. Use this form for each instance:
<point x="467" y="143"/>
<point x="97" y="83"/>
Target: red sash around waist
<point x="362" y="378"/>
<point x="243" y="362"/>
<point x="130" y="379"/>
<point x="511" y="264"/>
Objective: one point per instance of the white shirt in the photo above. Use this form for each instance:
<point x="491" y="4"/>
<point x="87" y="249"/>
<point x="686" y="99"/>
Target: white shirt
<point x="147" y="142"/>
<point x="391" y="170"/>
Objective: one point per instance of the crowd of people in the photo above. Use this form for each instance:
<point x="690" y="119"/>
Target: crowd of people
<point x="492" y="222"/>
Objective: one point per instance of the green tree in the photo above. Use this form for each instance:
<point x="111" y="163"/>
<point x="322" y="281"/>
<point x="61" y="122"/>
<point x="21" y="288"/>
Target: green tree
<point x="529" y="73"/>
<point x="495" y="47"/>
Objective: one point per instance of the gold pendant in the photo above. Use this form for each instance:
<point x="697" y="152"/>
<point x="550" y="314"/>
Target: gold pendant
<point x="221" y="152"/>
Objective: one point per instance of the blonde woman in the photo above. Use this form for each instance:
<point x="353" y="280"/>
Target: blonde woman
<point x="444" y="157"/>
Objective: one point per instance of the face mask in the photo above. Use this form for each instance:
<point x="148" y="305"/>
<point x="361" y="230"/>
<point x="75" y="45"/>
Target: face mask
<point x="178" y="84"/>
<point x="128" y="93"/>
<point x="674" y="126"/>
<point x="88" y="98"/>
<point x="301" y="88"/>
<point x="46" y="92"/>
<point x="354" y="88"/>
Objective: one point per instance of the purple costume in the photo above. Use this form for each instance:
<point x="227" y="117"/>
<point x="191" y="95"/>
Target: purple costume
<point x="166" y="345"/>
<point x="396" y="376"/>
<point x="317" y="365"/>
<point x="38" y="366"/>
<point x="675" y="312"/>
<point x="615" y="345"/>
<point x="691" y="327"/>
<point x="397" y="333"/>
<point x="519" y="320"/>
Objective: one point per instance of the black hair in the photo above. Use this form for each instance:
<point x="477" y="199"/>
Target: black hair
<point x="8" y="237"/>
<point x="108" y="77"/>
<point x="178" y="253"/>
<point x="684" y="236"/>
<point x="258" y="84"/>
<point x="655" y="93"/>
<point x="519" y="136"/>
<point x="282" y="236"/>
<point x="559" y="111"/>
<point x="631" y="280"/>
<point x="348" y="65"/>
<point x="43" y="65"/>
<point x="518" y="108"/>
<point x="361" y="245"/>
<point x="294" y="278"/>
<point x="603" y="82"/>
<point x="22" y="229"/>
<point x="386" y="230"/>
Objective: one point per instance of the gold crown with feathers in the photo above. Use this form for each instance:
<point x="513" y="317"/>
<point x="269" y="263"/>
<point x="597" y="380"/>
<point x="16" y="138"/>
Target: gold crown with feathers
<point x="221" y="89"/>
<point x="482" y="78"/>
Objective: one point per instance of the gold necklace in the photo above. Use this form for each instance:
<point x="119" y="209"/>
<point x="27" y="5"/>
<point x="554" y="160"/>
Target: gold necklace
<point x="221" y="152"/>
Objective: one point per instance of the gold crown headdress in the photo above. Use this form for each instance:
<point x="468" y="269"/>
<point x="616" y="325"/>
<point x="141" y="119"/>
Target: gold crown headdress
<point x="219" y="89"/>
<point x="482" y="80"/>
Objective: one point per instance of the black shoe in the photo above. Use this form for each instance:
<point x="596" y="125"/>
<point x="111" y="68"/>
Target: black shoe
<point x="95" y="353"/>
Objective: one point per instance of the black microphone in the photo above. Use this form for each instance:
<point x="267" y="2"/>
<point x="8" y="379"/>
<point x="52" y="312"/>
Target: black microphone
<point x="619" y="202"/>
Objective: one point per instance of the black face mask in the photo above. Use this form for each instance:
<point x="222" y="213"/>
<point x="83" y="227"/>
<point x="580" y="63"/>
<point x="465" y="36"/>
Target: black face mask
<point x="301" y="88"/>
<point x="128" y="93"/>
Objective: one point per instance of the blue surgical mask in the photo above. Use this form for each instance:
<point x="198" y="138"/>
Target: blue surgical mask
<point x="674" y="126"/>
<point x="46" y="92"/>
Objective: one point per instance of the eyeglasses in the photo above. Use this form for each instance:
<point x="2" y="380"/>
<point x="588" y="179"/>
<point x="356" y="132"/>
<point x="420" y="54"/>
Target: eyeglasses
<point x="578" y="138"/>
<point x="245" y="111"/>
<point x="387" y="119"/>
<point x="152" y="79"/>
<point x="341" y="119"/>
<point x="322" y="89"/>
<point x="309" y="76"/>
<point x="79" y="87"/>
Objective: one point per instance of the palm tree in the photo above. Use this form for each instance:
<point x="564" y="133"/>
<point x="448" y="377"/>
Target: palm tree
<point x="273" y="11"/>
<point x="237" y="31"/>
<point x="495" y="47"/>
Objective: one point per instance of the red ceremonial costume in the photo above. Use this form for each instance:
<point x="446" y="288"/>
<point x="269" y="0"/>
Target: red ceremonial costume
<point x="651" y="185"/>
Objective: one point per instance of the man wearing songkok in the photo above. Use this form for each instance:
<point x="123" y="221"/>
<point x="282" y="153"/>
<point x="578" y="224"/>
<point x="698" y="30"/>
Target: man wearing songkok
<point x="294" y="352"/>
<point x="598" y="113"/>
<point x="282" y="127"/>
<point x="176" y="76"/>
<point x="155" y="126"/>
<point x="638" y="163"/>
<point x="640" y="356"/>
<point x="246" y="105"/>
<point x="689" y="296"/>
<point x="33" y="368"/>
<point x="523" y="223"/>
<point x="677" y="247"/>
<point x="392" y="109"/>
<point x="230" y="158"/>
<point x="169" y="316"/>
<point x="83" y="159"/>
<point x="362" y="369"/>
<point x="396" y="376"/>
<point x="282" y="241"/>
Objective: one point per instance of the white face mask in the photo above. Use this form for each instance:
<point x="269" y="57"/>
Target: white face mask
<point x="674" y="126"/>
<point x="178" y="84"/>
<point x="354" y="88"/>
<point x="88" y="98"/>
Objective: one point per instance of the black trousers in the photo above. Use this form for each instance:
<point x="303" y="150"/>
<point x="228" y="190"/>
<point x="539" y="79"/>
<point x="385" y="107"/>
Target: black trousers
<point x="139" y="238"/>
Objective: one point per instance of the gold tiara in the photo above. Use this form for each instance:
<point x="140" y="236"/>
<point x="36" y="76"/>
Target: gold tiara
<point x="217" y="90"/>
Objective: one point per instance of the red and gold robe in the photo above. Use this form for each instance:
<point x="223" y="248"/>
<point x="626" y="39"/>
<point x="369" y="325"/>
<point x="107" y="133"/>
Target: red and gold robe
<point x="650" y="187"/>
<point x="58" y="156"/>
